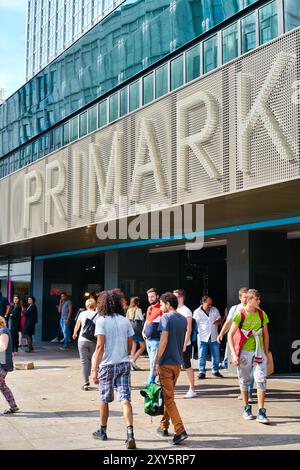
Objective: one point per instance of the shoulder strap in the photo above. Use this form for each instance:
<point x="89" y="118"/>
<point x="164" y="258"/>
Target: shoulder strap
<point x="95" y="316"/>
<point x="261" y="315"/>
<point x="243" y="317"/>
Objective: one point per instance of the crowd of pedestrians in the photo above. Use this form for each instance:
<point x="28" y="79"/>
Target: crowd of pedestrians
<point x="113" y="333"/>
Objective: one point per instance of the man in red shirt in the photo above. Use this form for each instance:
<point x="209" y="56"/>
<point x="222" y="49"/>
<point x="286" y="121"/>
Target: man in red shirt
<point x="151" y="334"/>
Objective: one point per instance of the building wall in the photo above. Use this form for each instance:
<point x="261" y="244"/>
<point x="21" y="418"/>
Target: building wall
<point x="226" y="132"/>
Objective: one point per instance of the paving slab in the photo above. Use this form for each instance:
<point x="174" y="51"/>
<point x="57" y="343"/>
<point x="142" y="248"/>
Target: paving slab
<point x="56" y="414"/>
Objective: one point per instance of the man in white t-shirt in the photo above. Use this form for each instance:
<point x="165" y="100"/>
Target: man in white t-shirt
<point x="187" y="347"/>
<point x="226" y="327"/>
<point x="208" y="318"/>
<point x="111" y="363"/>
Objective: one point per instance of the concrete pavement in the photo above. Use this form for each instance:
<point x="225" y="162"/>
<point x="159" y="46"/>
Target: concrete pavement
<point x="57" y="414"/>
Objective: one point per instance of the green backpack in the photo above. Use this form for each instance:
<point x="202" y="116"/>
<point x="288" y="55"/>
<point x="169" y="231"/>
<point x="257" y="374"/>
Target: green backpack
<point x="153" y="400"/>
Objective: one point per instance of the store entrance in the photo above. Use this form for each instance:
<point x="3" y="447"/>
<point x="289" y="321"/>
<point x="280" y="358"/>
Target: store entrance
<point x="78" y="277"/>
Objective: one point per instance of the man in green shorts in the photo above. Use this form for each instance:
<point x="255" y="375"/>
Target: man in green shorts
<point x="253" y="354"/>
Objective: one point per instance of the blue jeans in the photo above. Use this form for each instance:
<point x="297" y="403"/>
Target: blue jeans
<point x="65" y="330"/>
<point x="152" y="345"/>
<point x="214" y="348"/>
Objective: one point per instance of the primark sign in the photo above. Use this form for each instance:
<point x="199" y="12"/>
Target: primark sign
<point x="232" y="130"/>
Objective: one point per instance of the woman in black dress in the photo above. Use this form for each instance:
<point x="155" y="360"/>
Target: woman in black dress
<point x="14" y="323"/>
<point x="30" y="320"/>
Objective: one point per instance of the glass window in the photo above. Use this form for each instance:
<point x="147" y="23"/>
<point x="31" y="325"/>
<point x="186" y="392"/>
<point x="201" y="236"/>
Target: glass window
<point x="57" y="138"/>
<point x="148" y="92"/>
<point x="93" y="118"/>
<point x="268" y="22"/>
<point x="177" y="72"/>
<point x="161" y="81"/>
<point x="291" y="14"/>
<point x="248" y="33"/>
<point x="19" y="278"/>
<point x="114" y="107"/>
<point x="210" y="54"/>
<point x="102" y="113"/>
<point x="34" y="150"/>
<point x="230" y="44"/>
<point x="193" y="63"/>
<point x="124" y="101"/>
<point x="3" y="280"/>
<point x="134" y="95"/>
<point x="83" y="124"/>
<point x="66" y="133"/>
<point x="74" y="129"/>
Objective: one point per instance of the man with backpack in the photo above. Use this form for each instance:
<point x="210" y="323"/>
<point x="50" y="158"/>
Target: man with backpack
<point x="187" y="347"/>
<point x="248" y="340"/>
<point x="168" y="362"/>
<point x="226" y="327"/>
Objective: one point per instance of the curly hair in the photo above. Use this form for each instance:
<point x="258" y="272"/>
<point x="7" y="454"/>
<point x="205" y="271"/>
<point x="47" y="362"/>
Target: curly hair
<point x="110" y="303"/>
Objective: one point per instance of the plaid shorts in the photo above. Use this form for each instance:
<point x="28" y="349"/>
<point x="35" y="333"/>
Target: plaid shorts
<point x="115" y="376"/>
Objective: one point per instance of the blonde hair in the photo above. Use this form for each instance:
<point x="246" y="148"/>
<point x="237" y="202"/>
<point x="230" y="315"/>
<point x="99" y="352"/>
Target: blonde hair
<point x="91" y="304"/>
<point x="2" y="322"/>
<point x="134" y="305"/>
<point x="252" y="293"/>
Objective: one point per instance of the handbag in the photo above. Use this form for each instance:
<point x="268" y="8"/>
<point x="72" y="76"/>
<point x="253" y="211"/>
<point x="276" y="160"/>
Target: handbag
<point x="153" y="399"/>
<point x="88" y="330"/>
<point x="137" y="326"/>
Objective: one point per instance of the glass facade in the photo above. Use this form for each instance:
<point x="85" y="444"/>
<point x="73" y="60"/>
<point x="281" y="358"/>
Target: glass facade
<point x="248" y="25"/>
<point x="202" y="58"/>
<point x="230" y="43"/>
<point x="291" y="14"/>
<point x="15" y="277"/>
<point x="268" y="22"/>
<point x="210" y="54"/>
<point x="133" y="37"/>
<point x="177" y="72"/>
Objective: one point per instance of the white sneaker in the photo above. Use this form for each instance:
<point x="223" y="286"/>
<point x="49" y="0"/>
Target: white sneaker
<point x="62" y="340"/>
<point x="239" y="397"/>
<point x="55" y="340"/>
<point x="191" y="394"/>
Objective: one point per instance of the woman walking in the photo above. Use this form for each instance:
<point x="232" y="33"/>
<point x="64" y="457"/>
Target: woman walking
<point x="14" y="323"/>
<point x="31" y="316"/>
<point x="86" y="347"/>
<point x="6" y="365"/>
<point x="135" y="316"/>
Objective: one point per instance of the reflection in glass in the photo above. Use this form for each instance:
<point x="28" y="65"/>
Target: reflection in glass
<point x="92" y="119"/>
<point x="124" y="101"/>
<point x="177" y="72"/>
<point x="114" y="107"/>
<point x="134" y="95"/>
<point x="148" y="93"/>
<point x="210" y="54"/>
<point x="248" y="33"/>
<point x="66" y="133"/>
<point x="103" y="113"/>
<point x="193" y="63"/>
<point x="74" y="129"/>
<point x="268" y="22"/>
<point x="83" y="124"/>
<point x="230" y="44"/>
<point x="291" y="14"/>
<point x="161" y="81"/>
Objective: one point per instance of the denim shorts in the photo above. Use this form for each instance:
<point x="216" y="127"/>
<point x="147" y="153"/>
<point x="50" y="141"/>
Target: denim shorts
<point x="112" y="377"/>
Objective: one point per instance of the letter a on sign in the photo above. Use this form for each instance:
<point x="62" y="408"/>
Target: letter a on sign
<point x="195" y="141"/>
<point x="147" y="142"/>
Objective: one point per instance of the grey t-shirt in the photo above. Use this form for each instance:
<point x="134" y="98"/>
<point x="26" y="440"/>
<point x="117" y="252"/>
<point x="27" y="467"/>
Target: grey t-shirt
<point x="117" y="330"/>
<point x="175" y="324"/>
<point x="65" y="309"/>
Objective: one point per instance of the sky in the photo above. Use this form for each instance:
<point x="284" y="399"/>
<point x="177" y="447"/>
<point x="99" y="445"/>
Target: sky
<point x="12" y="45"/>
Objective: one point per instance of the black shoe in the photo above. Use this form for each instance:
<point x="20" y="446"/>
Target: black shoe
<point x="162" y="432"/>
<point x="217" y="374"/>
<point x="178" y="438"/>
<point x="201" y="375"/>
<point x="100" y="434"/>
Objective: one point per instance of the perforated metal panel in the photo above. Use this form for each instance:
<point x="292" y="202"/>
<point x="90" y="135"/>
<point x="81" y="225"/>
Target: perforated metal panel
<point x="234" y="129"/>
